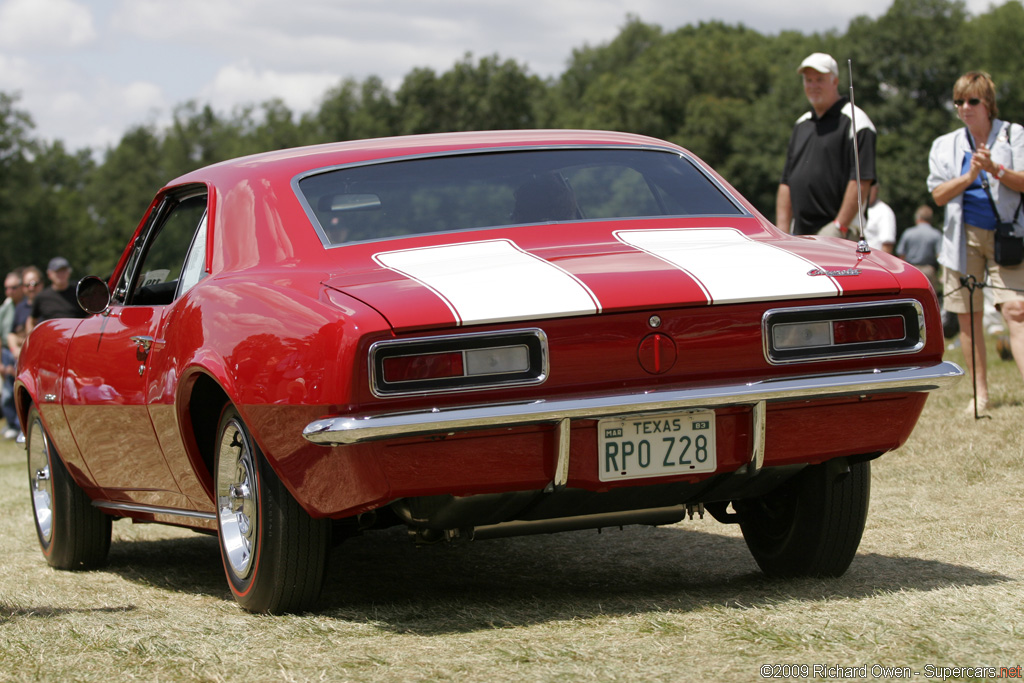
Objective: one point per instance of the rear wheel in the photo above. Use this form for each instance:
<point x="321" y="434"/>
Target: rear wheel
<point x="812" y="524"/>
<point x="72" y="533"/>
<point x="274" y="553"/>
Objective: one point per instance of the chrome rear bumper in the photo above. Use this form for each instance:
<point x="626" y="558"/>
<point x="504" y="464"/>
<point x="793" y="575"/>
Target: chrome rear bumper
<point x="332" y="431"/>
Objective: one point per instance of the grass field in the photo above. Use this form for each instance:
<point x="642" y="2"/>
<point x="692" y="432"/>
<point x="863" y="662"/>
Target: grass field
<point x="938" y="582"/>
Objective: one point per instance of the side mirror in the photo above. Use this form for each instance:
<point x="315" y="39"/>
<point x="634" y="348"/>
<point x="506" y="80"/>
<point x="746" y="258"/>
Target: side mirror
<point x="93" y="294"/>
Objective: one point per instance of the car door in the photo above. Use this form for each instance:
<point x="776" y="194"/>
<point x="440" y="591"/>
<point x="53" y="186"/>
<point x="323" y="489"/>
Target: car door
<point x="107" y="378"/>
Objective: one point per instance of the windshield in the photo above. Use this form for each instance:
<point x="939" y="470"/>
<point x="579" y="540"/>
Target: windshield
<point x="469" y="191"/>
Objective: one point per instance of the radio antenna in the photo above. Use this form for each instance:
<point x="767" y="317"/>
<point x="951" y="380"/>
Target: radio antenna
<point x="862" y="245"/>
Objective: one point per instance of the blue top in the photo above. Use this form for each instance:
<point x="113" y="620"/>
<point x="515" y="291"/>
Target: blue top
<point x="977" y="206"/>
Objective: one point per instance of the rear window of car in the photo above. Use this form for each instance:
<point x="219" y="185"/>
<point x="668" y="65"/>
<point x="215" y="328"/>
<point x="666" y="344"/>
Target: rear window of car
<point x="470" y="191"/>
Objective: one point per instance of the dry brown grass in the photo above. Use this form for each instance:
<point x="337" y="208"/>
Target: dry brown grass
<point x="938" y="581"/>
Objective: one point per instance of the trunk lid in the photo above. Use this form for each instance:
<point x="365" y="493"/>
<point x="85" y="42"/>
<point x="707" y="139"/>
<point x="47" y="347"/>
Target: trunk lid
<point x="557" y="270"/>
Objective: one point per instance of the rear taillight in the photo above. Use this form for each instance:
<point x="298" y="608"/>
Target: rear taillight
<point x="458" y="363"/>
<point x="864" y="330"/>
<point x="422" y="367"/>
<point x="826" y="332"/>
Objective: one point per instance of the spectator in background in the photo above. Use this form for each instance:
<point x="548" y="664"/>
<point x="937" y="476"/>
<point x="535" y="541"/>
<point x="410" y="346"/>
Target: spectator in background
<point x="59" y="300"/>
<point x="880" y="231"/>
<point x="32" y="283"/>
<point x="919" y="245"/>
<point x="15" y="293"/>
<point x="818" y="192"/>
<point x="977" y="173"/>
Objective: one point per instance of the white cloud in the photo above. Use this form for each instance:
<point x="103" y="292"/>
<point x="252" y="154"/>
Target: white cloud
<point x="15" y="74"/>
<point x="45" y="25"/>
<point x="142" y="97"/>
<point x="98" y="115"/>
<point x="242" y="83"/>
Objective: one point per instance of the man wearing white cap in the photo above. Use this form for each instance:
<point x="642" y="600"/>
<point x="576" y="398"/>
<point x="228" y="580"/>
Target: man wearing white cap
<point x="818" y="191"/>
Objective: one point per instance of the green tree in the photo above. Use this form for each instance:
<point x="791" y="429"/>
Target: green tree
<point x="18" y="186"/>
<point x="377" y="115"/>
<point x="198" y="137"/>
<point x="353" y="111"/>
<point x="488" y="95"/>
<point x="120" y="189"/>
<point x="273" y="127"/>
<point x="995" y="43"/>
<point x="699" y="86"/>
<point x="905" y="63"/>
<point x="590" y="65"/>
<point x="60" y="217"/>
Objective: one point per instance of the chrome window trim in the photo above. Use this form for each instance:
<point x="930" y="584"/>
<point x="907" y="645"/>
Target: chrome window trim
<point x="193" y="267"/>
<point x="866" y="306"/>
<point x="540" y="378"/>
<point x="169" y="201"/>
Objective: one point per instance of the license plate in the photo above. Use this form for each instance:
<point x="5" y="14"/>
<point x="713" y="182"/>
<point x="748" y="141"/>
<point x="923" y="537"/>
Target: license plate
<point x="658" y="445"/>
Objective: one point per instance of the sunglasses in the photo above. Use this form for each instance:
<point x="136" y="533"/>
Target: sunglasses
<point x="974" y="102"/>
<point x="32" y="284"/>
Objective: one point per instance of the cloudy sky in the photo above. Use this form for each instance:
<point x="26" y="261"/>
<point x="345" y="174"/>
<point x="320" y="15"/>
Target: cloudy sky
<point x="86" y="70"/>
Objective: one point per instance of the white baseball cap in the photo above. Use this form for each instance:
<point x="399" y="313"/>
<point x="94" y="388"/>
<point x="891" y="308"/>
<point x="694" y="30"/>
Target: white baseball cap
<point x="821" y="63"/>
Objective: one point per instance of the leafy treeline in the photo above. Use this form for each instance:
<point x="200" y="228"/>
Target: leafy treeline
<point x="728" y="93"/>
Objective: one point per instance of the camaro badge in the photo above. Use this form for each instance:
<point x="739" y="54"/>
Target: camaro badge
<point x="845" y="272"/>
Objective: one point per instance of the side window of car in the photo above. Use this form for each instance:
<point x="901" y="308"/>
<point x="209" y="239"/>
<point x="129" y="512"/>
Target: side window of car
<point x="159" y="262"/>
<point x="195" y="263"/>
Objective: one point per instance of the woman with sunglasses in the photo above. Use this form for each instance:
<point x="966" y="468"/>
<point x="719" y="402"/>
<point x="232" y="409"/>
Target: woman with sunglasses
<point x="977" y="173"/>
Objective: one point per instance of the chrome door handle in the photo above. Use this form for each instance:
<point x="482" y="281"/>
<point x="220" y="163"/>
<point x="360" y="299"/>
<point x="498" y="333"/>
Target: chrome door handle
<point x="143" y="344"/>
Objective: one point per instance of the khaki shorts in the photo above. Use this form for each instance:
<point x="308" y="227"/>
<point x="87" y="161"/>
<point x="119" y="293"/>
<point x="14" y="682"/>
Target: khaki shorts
<point x="1002" y="280"/>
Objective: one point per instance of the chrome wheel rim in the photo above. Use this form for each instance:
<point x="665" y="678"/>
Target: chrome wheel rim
<point x="237" y="498"/>
<point x="40" y="481"/>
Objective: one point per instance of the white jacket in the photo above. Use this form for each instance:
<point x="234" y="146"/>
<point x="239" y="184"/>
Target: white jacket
<point x="945" y="161"/>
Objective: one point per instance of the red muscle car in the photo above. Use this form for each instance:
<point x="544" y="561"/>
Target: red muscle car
<point x="473" y="335"/>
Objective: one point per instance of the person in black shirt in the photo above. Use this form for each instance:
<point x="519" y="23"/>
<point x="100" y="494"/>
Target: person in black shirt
<point x="818" y="190"/>
<point x="59" y="300"/>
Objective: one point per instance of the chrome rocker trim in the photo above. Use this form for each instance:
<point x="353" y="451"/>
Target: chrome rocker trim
<point x="154" y="510"/>
<point x="336" y="431"/>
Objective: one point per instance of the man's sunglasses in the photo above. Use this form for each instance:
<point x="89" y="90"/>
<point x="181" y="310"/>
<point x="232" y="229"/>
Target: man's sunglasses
<point x="974" y="102"/>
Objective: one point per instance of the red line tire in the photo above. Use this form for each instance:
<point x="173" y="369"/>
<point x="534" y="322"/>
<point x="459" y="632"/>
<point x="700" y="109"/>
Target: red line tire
<point x="274" y="553"/>
<point x="72" y="533"/>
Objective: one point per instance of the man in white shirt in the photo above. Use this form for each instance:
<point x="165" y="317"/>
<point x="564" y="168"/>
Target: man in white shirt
<point x="880" y="232"/>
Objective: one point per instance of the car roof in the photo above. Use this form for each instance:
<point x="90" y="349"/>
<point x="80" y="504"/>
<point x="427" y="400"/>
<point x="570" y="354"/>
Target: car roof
<point x="296" y="160"/>
<point x="258" y="223"/>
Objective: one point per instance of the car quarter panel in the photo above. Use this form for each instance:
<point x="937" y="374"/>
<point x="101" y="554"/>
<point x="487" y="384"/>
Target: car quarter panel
<point x="287" y="356"/>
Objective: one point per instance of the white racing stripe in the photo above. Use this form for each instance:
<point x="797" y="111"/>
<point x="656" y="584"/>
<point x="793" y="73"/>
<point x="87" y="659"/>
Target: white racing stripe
<point x="730" y="266"/>
<point x="493" y="281"/>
